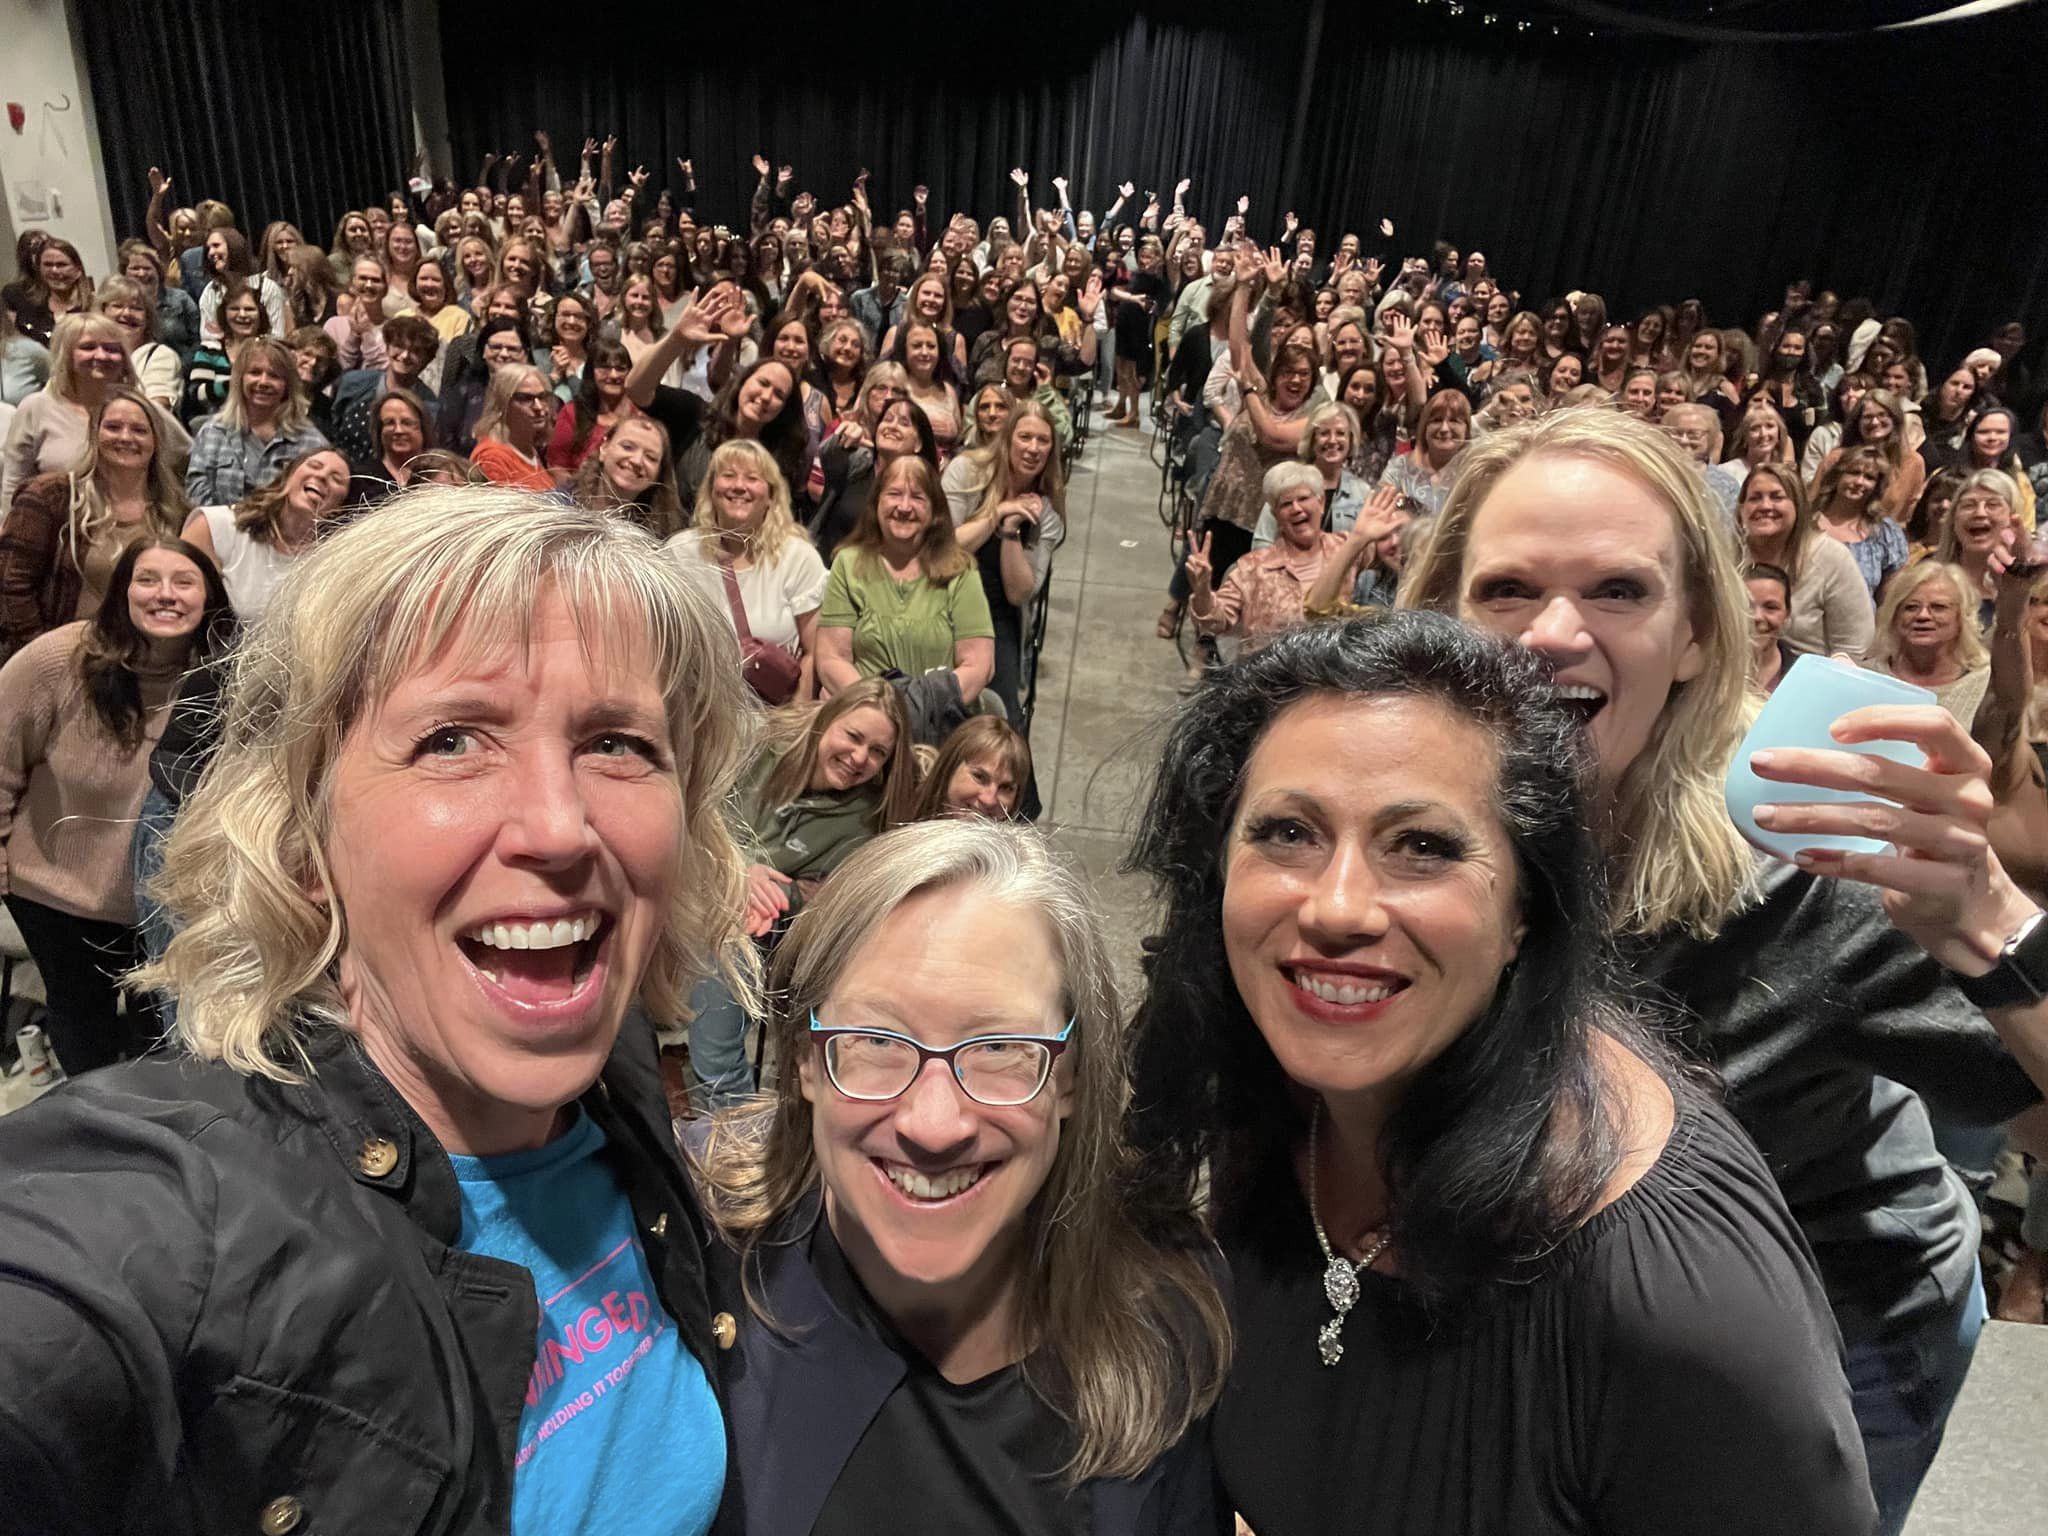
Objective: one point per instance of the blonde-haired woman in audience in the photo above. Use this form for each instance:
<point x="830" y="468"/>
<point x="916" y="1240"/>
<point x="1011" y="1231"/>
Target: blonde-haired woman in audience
<point x="746" y="551"/>
<point x="1848" y="506"/>
<point x="50" y="429"/>
<point x="1983" y="527"/>
<point x="467" y="810"/>
<point x="264" y="424"/>
<point x="1760" y="438"/>
<point x="66" y="532"/>
<point x="157" y="366"/>
<point x="1927" y="634"/>
<point x="512" y="431"/>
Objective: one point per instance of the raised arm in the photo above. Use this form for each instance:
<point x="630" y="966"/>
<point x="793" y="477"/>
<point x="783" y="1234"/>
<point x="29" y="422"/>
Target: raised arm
<point x="153" y="227"/>
<point x="699" y="324"/>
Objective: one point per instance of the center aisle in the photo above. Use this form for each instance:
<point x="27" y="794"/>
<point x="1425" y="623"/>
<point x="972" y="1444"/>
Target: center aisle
<point x="1106" y="684"/>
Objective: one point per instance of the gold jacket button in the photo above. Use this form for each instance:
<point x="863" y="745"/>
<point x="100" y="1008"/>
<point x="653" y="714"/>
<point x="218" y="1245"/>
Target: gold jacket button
<point x="725" y="1330"/>
<point x="377" y="1158"/>
<point x="660" y="1227"/>
<point x="281" y="1515"/>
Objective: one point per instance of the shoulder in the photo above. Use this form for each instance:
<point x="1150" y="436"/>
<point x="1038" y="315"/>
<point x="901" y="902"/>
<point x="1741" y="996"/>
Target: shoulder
<point x="50" y="654"/>
<point x="41" y="497"/>
<point x="799" y="558"/>
<point x="687" y="546"/>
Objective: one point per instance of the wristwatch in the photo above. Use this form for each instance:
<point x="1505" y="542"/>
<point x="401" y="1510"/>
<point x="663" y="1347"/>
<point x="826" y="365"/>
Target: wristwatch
<point x="2021" y="975"/>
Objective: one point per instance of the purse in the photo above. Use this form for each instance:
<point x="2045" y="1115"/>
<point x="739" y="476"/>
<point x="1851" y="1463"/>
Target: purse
<point x="769" y="670"/>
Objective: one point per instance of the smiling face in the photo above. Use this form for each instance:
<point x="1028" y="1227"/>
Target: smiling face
<point x="166" y="596"/>
<point x="1569" y="373"/>
<point x="1030" y="450"/>
<point x="1873" y="422"/>
<point x="1930" y="619"/>
<point x="1991" y="439"/>
<point x="514" y="797"/>
<point x="740" y="496"/>
<point x="398" y="430"/>
<point x="854" y="749"/>
<point x="762" y="397"/>
<point x="1369" y="899"/>
<point x="1768" y="611"/>
<point x="502" y="349"/>
<point x="317" y="486"/>
<point x="1581" y="563"/>
<point x="1980" y="518"/>
<point x="792" y="346"/>
<point x="429" y="288"/>
<point x="1704" y="355"/>
<point x="127" y="436"/>
<point x="905" y="510"/>
<point x="1299" y="513"/>
<point x="265" y="386"/>
<point x="1639" y="395"/>
<point x="1766" y="513"/>
<point x="1330" y="444"/>
<point x="921" y="352"/>
<point x="630" y="457"/>
<point x="982" y="786"/>
<point x="928" y="1193"/>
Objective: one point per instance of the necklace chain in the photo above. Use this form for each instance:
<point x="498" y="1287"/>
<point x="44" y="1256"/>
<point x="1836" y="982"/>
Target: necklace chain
<point x="1340" y="1274"/>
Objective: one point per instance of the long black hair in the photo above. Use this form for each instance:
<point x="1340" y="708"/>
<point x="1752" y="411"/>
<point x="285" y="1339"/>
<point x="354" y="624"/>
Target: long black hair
<point x="783" y="437"/>
<point x="114" y="647"/>
<point x="1502" y="1144"/>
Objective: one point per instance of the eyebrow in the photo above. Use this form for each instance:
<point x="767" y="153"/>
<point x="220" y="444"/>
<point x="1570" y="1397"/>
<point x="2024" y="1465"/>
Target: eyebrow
<point x="980" y="1021"/>
<point x="1393" y="813"/>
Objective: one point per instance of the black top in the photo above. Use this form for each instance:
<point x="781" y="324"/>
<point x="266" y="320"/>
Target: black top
<point x="1814" y="1055"/>
<point x="681" y="415"/>
<point x="1134" y="319"/>
<point x="982" y="1457"/>
<point x="1671" y="1369"/>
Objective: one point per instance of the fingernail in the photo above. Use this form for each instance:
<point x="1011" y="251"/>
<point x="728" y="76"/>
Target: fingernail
<point x="1763" y="759"/>
<point x="1767" y="816"/>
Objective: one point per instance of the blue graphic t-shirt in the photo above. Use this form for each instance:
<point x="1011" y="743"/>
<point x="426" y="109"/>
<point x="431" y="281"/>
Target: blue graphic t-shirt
<point x="621" y="1431"/>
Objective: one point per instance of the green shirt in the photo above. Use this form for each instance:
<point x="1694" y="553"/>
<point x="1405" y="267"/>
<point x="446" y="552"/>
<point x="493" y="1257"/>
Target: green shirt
<point x="809" y="837"/>
<point x="904" y="626"/>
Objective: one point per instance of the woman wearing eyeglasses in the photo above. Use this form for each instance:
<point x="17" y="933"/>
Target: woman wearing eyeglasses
<point x="968" y="1317"/>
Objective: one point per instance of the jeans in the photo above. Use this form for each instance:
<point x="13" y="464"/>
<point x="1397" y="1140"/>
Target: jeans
<point x="145" y="858"/>
<point x="1903" y="1388"/>
<point x="720" y="1073"/>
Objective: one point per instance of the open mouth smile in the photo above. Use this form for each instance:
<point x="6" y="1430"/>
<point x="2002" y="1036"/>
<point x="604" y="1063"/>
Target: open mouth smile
<point x="932" y="1189"/>
<point x="540" y="967"/>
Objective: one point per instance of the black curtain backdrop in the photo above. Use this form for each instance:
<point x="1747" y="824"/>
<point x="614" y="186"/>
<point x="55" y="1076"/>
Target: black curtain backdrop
<point x="1902" y="166"/>
<point x="294" y="115"/>
<point x="1895" y="166"/>
<point x="949" y="97"/>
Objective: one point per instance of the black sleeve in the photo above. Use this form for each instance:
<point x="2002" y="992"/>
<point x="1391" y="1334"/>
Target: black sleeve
<point x="1712" y="1386"/>
<point x="105" y="1261"/>
<point x="681" y="415"/>
<point x="1910" y="1021"/>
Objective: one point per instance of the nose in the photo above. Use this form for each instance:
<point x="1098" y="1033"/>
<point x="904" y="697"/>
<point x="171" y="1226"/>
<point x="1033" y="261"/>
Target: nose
<point x="1558" y="632"/>
<point x="1344" y="907"/>
<point x="934" y="1114"/>
<point x="547" y="820"/>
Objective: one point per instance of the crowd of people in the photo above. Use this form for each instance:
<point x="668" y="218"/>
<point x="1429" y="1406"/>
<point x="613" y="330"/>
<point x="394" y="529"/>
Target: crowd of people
<point x="452" y="674"/>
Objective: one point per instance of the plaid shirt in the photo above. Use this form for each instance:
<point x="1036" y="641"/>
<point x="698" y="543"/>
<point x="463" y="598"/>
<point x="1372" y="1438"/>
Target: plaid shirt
<point x="227" y="465"/>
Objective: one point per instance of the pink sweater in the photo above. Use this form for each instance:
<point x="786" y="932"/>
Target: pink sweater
<point x="69" y="793"/>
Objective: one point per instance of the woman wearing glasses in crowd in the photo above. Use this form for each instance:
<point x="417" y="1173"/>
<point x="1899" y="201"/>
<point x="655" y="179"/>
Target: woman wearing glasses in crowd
<point x="1499" y="1262"/>
<point x="971" y="1314"/>
<point x="512" y="433"/>
<point x="1586" y="538"/>
<point x="1927" y="635"/>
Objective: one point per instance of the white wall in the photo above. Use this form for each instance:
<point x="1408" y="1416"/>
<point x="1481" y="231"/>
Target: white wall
<point x="51" y="175"/>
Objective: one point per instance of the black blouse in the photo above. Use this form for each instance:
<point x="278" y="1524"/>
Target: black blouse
<point x="1672" y="1369"/>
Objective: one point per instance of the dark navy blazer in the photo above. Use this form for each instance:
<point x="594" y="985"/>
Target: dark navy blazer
<point x="799" y="1397"/>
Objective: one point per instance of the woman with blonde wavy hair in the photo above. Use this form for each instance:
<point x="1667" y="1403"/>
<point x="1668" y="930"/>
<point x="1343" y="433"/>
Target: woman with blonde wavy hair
<point x="65" y="532"/>
<point x="1586" y="537"/>
<point x="1927" y="635"/>
<point x="958" y="1306"/>
<point x="414" y="1200"/>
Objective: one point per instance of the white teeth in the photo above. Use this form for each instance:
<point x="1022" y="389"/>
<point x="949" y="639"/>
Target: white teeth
<point x="543" y="935"/>
<point x="1578" y="691"/>
<point x="942" y="1187"/>
<point x="1344" y="994"/>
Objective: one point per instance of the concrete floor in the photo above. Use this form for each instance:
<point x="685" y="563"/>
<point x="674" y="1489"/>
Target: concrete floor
<point x="1106" y="690"/>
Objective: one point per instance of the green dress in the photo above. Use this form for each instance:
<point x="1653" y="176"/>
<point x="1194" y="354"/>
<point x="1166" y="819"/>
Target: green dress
<point x="902" y="626"/>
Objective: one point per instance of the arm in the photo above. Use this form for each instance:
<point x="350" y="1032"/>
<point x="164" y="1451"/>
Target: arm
<point x="696" y="325"/>
<point x="1219" y="614"/>
<point x="28" y="549"/>
<point x="153" y="227"/>
<point x="1020" y="579"/>
<point x="807" y="647"/>
<point x="28" y="714"/>
<point x="1022" y="178"/>
<point x="974" y="663"/>
<point x="2000" y="727"/>
<point x="835" y="669"/>
<point x="550" y="178"/>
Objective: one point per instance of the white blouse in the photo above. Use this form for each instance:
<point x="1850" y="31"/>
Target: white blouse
<point x="774" y="593"/>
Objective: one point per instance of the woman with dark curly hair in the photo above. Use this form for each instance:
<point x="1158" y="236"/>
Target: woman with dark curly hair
<point x="1499" y="1264"/>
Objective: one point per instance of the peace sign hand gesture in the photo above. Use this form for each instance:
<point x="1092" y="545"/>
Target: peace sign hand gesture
<point x="1200" y="572"/>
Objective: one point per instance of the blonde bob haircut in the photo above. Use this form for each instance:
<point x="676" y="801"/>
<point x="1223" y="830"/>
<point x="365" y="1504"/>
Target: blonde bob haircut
<point x="1123" y="1334"/>
<point x="1675" y="857"/>
<point x="778" y="522"/>
<point x="1970" y="652"/>
<point x="438" y="571"/>
<point x="1995" y="481"/>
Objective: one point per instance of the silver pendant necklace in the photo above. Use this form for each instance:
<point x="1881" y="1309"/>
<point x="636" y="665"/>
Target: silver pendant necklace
<point x="1340" y="1275"/>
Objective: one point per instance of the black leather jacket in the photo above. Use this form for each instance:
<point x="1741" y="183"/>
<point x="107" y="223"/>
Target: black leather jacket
<point x="230" y="1305"/>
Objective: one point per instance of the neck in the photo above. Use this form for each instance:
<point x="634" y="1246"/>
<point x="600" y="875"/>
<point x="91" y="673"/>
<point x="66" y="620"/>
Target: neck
<point x="898" y="552"/>
<point x="966" y="1328"/>
<point x="1770" y="551"/>
<point x="1333" y="473"/>
<point x="167" y="653"/>
<point x="734" y="542"/>
<point x="259" y="416"/>
<point x="1763" y="650"/>
<point x="462" y="1122"/>
<point x="1350" y="1190"/>
<point x="123" y="484"/>
<point x="1925" y="661"/>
